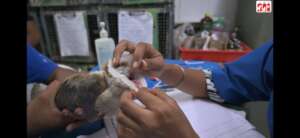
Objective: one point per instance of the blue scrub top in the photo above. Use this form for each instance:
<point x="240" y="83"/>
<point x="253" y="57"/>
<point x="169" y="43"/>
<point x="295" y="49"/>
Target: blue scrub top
<point x="39" y="67"/>
<point x="248" y="79"/>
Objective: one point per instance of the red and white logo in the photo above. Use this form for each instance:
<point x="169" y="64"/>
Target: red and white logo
<point x="263" y="6"/>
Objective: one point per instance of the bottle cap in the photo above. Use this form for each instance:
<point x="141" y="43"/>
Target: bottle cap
<point x="103" y="32"/>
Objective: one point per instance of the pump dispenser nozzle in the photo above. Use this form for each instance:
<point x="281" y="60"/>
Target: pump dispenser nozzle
<point x="103" y="32"/>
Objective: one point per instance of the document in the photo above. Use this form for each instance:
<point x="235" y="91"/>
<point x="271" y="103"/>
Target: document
<point x="135" y="26"/>
<point x="72" y="34"/>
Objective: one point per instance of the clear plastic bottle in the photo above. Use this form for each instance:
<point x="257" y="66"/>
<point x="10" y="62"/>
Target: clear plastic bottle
<point x="104" y="46"/>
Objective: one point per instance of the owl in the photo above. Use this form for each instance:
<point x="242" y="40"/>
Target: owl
<point x="96" y="93"/>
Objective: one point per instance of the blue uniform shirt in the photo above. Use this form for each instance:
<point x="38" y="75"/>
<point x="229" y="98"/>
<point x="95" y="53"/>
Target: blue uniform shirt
<point x="39" y="67"/>
<point x="248" y="79"/>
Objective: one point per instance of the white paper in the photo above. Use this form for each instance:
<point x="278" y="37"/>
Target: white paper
<point x="136" y="27"/>
<point x="72" y="34"/>
<point x="209" y="119"/>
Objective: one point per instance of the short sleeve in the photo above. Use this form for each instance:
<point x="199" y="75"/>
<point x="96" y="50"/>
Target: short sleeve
<point x="39" y="67"/>
<point x="248" y="79"/>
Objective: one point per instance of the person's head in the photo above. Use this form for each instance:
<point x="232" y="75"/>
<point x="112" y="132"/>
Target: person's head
<point x="33" y="34"/>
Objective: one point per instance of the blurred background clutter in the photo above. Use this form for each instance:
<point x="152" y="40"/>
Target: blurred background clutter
<point x="180" y="29"/>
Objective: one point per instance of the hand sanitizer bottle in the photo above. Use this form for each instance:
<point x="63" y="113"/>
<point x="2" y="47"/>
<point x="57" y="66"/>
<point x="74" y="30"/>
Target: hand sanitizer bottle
<point x="104" y="46"/>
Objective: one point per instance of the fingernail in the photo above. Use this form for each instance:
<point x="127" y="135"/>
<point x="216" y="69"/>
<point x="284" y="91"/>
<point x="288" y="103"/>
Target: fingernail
<point x="114" y="60"/>
<point x="69" y="128"/>
<point x="135" y="64"/>
<point x="65" y="112"/>
<point x="132" y="95"/>
<point x="79" y="111"/>
<point x="144" y="64"/>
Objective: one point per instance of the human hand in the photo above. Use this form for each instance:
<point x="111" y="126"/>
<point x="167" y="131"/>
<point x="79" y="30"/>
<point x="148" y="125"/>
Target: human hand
<point x="146" y="59"/>
<point x="160" y="118"/>
<point x="43" y="115"/>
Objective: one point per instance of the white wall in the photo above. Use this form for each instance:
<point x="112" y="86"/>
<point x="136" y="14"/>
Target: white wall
<point x="255" y="29"/>
<point x="194" y="10"/>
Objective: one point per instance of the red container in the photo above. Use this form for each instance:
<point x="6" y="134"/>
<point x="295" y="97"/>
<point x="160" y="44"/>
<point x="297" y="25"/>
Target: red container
<point x="214" y="55"/>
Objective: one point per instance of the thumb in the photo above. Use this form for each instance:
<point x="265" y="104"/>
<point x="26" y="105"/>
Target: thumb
<point x="163" y="96"/>
<point x="138" y="55"/>
<point x="144" y="65"/>
<point x="141" y="65"/>
<point x="53" y="87"/>
<point x="137" y="64"/>
<point x="136" y="67"/>
<point x="70" y="127"/>
<point x="51" y="92"/>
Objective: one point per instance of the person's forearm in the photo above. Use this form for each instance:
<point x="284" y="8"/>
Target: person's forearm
<point x="61" y="73"/>
<point x="193" y="82"/>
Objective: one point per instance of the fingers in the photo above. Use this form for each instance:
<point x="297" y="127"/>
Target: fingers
<point x="124" y="132"/>
<point x="124" y="45"/>
<point x="153" y="58"/>
<point x="154" y="63"/>
<point x="69" y="117"/>
<point x="148" y="99"/>
<point x="126" y="121"/>
<point x="100" y="115"/>
<point x="75" y="119"/>
<point x="138" y="55"/>
<point x="77" y="114"/>
<point x="72" y="126"/>
<point x="146" y="58"/>
<point x="66" y="113"/>
<point x="131" y="109"/>
<point x="79" y="111"/>
<point x="163" y="96"/>
<point x="53" y="87"/>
